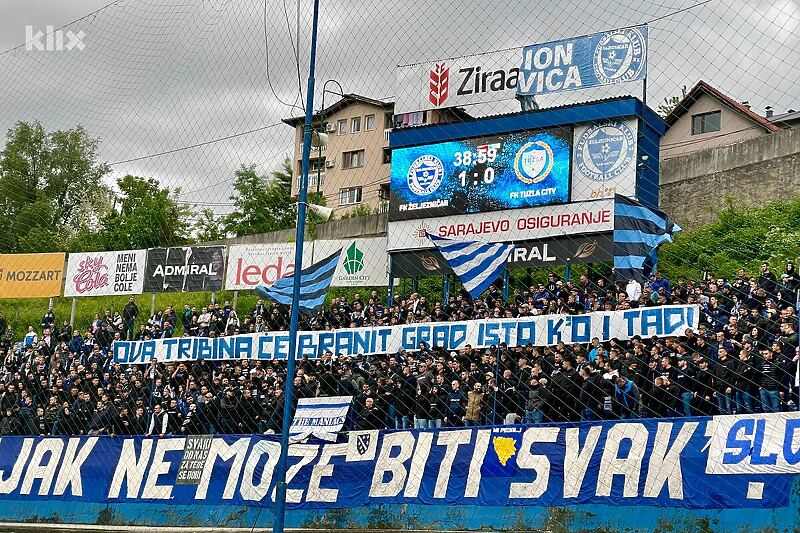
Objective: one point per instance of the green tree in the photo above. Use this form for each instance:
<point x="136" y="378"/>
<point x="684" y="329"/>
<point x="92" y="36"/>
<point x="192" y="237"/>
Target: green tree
<point x="48" y="184"/>
<point x="208" y="227"/>
<point x="147" y="216"/>
<point x="669" y="103"/>
<point x="261" y="204"/>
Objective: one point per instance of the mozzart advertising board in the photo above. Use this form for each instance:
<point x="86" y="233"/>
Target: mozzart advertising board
<point x="604" y="160"/>
<point x="607" y="58"/>
<point x="363" y="263"/>
<point x="505" y="226"/>
<point x="105" y="273"/>
<point x="542" y="253"/>
<point x="185" y="269"/>
<point x="479" y="175"/>
<point x="545" y="330"/>
<point x="665" y="463"/>
<point x="31" y="275"/>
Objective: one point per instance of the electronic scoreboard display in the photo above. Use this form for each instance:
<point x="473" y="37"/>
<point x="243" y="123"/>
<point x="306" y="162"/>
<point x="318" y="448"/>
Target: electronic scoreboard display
<point x="509" y="171"/>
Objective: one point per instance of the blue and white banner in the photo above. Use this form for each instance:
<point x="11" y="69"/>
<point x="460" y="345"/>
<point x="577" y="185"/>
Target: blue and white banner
<point x="606" y="58"/>
<point x="321" y="417"/>
<point x="698" y="463"/>
<point x="545" y="330"/>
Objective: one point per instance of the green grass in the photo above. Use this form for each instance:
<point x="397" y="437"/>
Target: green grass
<point x="21" y="312"/>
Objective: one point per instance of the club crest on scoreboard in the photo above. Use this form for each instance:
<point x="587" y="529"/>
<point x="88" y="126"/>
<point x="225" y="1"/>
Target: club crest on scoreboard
<point x="604" y="151"/>
<point x="425" y="175"/>
<point x="533" y="162"/>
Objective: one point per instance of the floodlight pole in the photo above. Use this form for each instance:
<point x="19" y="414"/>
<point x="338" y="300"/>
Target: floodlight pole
<point x="280" y="470"/>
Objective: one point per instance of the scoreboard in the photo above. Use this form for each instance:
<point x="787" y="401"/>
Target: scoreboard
<point x="483" y="174"/>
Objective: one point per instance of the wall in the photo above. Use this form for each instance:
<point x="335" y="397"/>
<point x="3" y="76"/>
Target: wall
<point x="580" y="518"/>
<point x="366" y="226"/>
<point x="733" y="128"/>
<point x="696" y="186"/>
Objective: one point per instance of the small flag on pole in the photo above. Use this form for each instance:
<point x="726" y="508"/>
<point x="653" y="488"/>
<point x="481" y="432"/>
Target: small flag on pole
<point x="314" y="284"/>
<point x="638" y="231"/>
<point x="477" y="264"/>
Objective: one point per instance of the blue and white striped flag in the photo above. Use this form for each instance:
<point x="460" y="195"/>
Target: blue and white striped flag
<point x="314" y="284"/>
<point x="638" y="231"/>
<point x="477" y="264"/>
<point x="321" y="417"/>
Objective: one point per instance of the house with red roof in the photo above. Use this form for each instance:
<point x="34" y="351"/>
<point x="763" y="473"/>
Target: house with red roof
<point x="707" y="118"/>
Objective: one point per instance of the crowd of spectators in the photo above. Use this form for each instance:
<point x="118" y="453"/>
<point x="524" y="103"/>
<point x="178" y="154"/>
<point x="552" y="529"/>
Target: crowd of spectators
<point x="743" y="358"/>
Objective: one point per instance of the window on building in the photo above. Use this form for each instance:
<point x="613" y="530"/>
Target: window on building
<point x="313" y="183"/>
<point x="387" y="156"/>
<point x="355" y="124"/>
<point x="387" y="121"/>
<point x="353" y="159"/>
<point x="383" y="192"/>
<point x="350" y="195"/>
<point x="341" y="127"/>
<point x="369" y="122"/>
<point x="706" y="122"/>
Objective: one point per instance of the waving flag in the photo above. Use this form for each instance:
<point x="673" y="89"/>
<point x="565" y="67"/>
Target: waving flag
<point x="638" y="231"/>
<point x="314" y="284"/>
<point x="477" y="264"/>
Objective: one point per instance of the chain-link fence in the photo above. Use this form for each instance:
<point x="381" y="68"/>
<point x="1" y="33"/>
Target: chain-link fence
<point x="148" y="184"/>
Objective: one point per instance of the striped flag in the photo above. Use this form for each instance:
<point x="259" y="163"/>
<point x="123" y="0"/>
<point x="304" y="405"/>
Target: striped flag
<point x="638" y="231"/>
<point x="314" y="284"/>
<point x="322" y="417"/>
<point x="477" y="264"/>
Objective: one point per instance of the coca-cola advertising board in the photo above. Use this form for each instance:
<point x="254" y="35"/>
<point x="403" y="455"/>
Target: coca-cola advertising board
<point x="105" y="273"/>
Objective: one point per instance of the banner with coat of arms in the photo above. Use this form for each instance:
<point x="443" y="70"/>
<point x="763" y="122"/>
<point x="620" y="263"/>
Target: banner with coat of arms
<point x="604" y="159"/>
<point x="606" y="58"/>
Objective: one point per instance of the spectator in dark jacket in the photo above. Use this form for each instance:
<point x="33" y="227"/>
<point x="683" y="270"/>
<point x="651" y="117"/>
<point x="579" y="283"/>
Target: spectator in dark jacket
<point x="538" y="401"/>
<point x="725" y="377"/>
<point x="370" y="416"/>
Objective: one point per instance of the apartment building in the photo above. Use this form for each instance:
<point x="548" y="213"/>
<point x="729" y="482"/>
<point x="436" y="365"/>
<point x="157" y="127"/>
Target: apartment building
<point x="353" y="170"/>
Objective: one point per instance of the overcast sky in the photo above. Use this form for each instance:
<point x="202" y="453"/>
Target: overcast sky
<point x="159" y="75"/>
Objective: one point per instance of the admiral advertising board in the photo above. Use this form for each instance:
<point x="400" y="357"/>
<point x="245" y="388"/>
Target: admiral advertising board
<point x="364" y="262"/>
<point x="185" y="269"/>
<point x="604" y="159"/>
<point x="534" y="254"/>
<point x="505" y="226"/>
<point x="105" y="273"/>
<point x="479" y="175"/>
<point x="606" y="58"/>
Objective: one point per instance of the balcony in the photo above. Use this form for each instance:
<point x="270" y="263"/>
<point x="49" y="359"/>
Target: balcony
<point x="386" y="135"/>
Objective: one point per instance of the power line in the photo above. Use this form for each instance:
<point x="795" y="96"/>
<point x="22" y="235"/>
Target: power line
<point x="204" y="143"/>
<point x="687" y="8"/>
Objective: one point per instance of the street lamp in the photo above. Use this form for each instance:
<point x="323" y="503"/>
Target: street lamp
<point x="279" y="521"/>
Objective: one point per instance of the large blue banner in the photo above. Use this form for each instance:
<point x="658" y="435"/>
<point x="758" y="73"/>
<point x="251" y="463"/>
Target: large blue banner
<point x="542" y="330"/>
<point x="700" y="463"/>
<point x="605" y="58"/>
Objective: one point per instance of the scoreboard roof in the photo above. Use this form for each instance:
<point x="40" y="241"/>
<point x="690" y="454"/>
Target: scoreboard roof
<point x="600" y="110"/>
